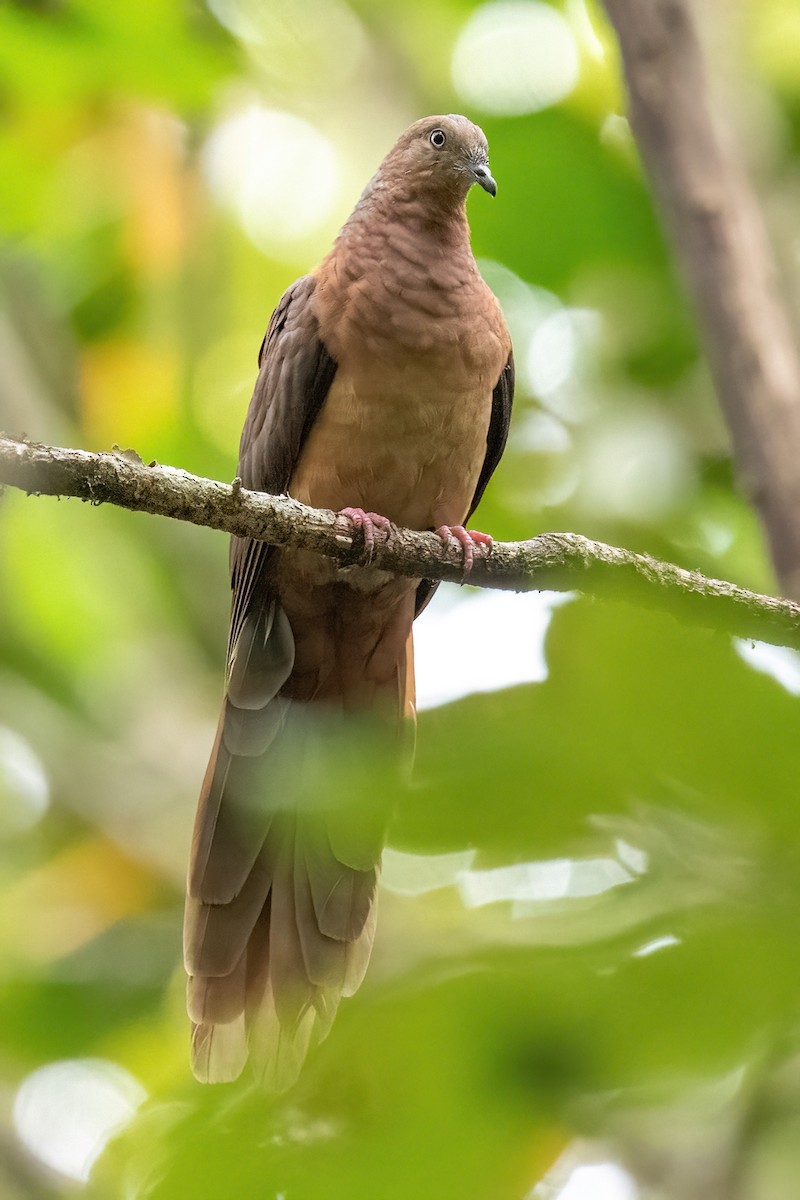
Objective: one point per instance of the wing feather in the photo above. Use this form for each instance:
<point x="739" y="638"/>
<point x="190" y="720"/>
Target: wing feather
<point x="496" y="438"/>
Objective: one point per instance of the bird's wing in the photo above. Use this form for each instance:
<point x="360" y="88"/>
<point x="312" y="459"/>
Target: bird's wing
<point x="295" y="375"/>
<point x="496" y="437"/>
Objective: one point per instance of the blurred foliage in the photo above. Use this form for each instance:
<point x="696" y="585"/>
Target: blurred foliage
<point x="608" y="951"/>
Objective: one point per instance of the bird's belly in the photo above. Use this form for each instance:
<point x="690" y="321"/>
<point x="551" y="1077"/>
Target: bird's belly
<point x="398" y="447"/>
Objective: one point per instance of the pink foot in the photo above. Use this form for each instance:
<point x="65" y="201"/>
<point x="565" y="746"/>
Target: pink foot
<point x="467" y="539"/>
<point x="367" y="522"/>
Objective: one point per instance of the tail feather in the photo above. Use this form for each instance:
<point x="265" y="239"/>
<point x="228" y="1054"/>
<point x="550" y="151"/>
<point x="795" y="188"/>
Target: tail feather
<point x="280" y="912"/>
<point x="251" y="733"/>
<point x="278" y="1051"/>
<point x="216" y="935"/>
<point x="230" y="828"/>
<point x="341" y="896"/>
<point x="288" y="977"/>
<point x="359" y="952"/>
<point x="219" y="1052"/>
<point x="231" y="824"/>
<point x="274" y="963"/>
<point x="324" y="958"/>
<point x="261" y="658"/>
<point x="217" y="999"/>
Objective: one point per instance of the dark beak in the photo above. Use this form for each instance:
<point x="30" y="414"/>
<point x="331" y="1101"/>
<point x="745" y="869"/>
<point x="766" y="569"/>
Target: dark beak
<point x="483" y="176"/>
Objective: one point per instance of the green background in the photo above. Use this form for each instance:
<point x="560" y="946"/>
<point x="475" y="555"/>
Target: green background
<point x="648" y="1020"/>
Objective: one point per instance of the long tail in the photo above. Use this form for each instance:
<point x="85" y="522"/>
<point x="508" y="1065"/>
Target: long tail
<point x="280" y="908"/>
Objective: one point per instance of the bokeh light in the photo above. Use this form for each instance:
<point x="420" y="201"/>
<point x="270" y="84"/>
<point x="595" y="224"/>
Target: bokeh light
<point x="555" y="346"/>
<point x="599" y="1181"/>
<point x="635" y="465"/>
<point x="481" y="643"/>
<point x="257" y="157"/>
<point x="24" y="788"/>
<point x="323" y="38"/>
<point x="515" y="56"/>
<point x="657" y="945"/>
<point x="65" y="1113"/>
<point x="541" y="882"/>
<point x="779" y="662"/>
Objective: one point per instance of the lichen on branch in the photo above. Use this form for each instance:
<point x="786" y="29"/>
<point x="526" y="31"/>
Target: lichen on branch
<point x="549" y="561"/>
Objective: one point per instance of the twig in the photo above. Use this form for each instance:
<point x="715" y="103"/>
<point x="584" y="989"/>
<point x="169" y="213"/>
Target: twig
<point x="719" y="235"/>
<point x="551" y="561"/>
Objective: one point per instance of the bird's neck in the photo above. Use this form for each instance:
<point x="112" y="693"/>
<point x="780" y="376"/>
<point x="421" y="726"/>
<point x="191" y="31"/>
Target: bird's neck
<point x="402" y="244"/>
<point x="412" y="207"/>
<point x="399" y="266"/>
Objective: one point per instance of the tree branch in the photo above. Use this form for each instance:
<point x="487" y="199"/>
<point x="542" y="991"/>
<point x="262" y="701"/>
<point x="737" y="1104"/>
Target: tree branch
<point x="720" y="238"/>
<point x="551" y="561"/>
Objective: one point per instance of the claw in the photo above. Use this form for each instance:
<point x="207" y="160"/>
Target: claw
<point x="467" y="539"/>
<point x="367" y="522"/>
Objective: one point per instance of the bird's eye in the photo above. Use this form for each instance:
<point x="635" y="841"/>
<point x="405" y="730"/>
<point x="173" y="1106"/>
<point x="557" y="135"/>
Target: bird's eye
<point x="438" y="138"/>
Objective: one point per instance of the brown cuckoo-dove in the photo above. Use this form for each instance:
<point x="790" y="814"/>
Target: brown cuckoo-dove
<point x="384" y="391"/>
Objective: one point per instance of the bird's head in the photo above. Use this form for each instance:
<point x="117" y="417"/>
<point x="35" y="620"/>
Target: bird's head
<point x="444" y="156"/>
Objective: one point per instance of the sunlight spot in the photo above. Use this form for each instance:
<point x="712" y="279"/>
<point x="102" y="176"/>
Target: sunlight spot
<point x="515" y="56"/>
<point x="657" y="944"/>
<point x="632" y="857"/>
<point x="636" y="465"/>
<point x="541" y="433"/>
<point x="240" y="17"/>
<point x="304" y="1132"/>
<point x="24" y="790"/>
<point x="581" y="22"/>
<point x="524" y="306"/>
<point x="551" y="354"/>
<point x="541" y="882"/>
<point x="321" y="40"/>
<point x="276" y="172"/>
<point x="552" y="342"/>
<point x="717" y="538"/>
<point x="416" y="874"/>
<point x="555" y="345"/>
<point x="600" y="1181"/>
<point x="66" y="1112"/>
<point x="616" y="132"/>
<point x="781" y="663"/>
<point x="481" y="642"/>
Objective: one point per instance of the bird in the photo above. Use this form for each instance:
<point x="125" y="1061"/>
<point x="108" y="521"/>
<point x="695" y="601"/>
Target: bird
<point x="384" y="392"/>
